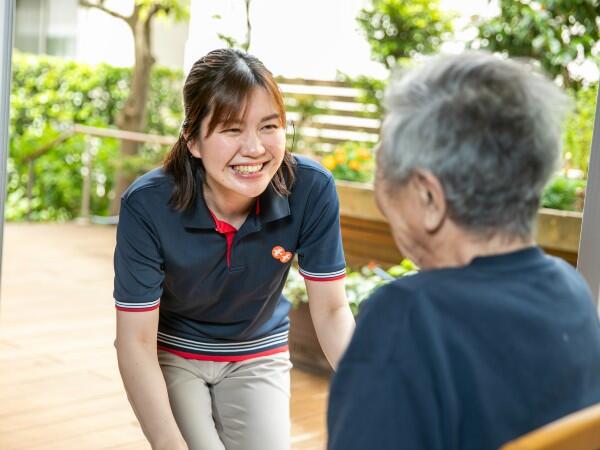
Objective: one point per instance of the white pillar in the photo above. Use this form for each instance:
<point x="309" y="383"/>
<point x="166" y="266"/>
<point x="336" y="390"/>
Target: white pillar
<point x="588" y="262"/>
<point x="7" y="8"/>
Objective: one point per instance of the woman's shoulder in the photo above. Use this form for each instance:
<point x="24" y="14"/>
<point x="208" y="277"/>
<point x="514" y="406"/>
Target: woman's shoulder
<point x="156" y="181"/>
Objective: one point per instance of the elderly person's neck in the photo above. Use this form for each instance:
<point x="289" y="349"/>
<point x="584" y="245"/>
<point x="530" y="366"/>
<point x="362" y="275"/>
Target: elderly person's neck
<point x="454" y="246"/>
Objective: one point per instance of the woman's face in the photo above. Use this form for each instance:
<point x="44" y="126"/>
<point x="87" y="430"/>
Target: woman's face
<point x="240" y="159"/>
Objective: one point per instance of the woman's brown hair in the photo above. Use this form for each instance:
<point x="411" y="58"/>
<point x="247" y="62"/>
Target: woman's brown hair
<point x="220" y="83"/>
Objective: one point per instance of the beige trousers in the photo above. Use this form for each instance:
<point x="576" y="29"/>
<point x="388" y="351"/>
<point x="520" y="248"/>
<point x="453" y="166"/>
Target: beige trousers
<point x="241" y="405"/>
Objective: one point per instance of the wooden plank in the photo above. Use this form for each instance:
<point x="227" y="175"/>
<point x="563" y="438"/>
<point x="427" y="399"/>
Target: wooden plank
<point x="334" y="126"/>
<point x="558" y="230"/>
<point x="140" y="444"/>
<point x="330" y="111"/>
<point x="322" y="97"/>
<point x="75" y="427"/>
<point x="308" y="82"/>
<point x="93" y="440"/>
<point x="317" y="140"/>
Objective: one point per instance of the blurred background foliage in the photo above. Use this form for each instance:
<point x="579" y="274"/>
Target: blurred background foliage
<point x="556" y="33"/>
<point x="51" y="94"/>
<point x="398" y="30"/>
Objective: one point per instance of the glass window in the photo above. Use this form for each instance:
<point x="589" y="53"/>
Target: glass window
<point x="46" y="26"/>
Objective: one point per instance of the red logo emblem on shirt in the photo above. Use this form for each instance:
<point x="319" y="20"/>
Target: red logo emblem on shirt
<point x="281" y="254"/>
<point x="286" y="257"/>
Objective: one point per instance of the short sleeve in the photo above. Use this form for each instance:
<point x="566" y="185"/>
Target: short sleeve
<point x="138" y="261"/>
<point x="320" y="251"/>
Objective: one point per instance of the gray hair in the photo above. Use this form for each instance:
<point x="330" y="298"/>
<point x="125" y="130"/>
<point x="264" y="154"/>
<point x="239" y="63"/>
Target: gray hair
<point x="487" y="128"/>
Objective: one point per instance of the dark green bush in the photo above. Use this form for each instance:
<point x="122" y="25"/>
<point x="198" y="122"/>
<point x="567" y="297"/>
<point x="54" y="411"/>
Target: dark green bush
<point x="564" y="193"/>
<point x="48" y="96"/>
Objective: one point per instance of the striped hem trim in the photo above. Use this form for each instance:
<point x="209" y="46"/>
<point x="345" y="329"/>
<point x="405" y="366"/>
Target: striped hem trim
<point x="230" y="358"/>
<point x="139" y="307"/>
<point x="326" y="276"/>
<point x="231" y="347"/>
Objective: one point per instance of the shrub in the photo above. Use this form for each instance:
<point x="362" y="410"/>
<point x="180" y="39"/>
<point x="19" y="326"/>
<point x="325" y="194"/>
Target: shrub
<point x="564" y="193"/>
<point x="359" y="284"/>
<point x="51" y="94"/>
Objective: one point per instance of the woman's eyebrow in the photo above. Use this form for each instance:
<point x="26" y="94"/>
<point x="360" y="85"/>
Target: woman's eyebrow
<point x="271" y="117"/>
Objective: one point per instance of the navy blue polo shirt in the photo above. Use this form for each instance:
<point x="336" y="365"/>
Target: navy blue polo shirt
<point x="219" y="289"/>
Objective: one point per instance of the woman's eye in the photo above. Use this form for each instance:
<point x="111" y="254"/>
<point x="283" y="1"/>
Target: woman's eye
<point x="271" y="126"/>
<point x="231" y="130"/>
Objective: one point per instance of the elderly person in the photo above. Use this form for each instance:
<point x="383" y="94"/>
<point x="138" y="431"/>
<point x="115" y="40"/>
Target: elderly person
<point x="493" y="338"/>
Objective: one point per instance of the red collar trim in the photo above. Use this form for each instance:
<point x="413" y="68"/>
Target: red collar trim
<point x="221" y="226"/>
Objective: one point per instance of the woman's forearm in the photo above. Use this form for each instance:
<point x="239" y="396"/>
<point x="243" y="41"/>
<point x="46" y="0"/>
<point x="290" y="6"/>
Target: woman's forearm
<point x="334" y="327"/>
<point x="147" y="393"/>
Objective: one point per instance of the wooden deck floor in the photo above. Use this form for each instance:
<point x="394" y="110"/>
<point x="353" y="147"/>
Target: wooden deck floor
<point x="59" y="383"/>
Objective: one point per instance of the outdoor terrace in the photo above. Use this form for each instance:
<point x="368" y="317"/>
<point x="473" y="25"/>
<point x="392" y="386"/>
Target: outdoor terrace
<point x="59" y="382"/>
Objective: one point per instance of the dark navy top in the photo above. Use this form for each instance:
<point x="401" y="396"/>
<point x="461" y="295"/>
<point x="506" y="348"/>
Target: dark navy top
<point x="217" y="301"/>
<point x="467" y="358"/>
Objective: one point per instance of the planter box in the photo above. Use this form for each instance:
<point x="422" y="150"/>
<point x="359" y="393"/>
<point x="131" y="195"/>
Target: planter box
<point x="367" y="236"/>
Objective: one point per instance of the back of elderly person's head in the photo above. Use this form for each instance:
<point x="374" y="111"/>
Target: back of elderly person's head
<point x="487" y="128"/>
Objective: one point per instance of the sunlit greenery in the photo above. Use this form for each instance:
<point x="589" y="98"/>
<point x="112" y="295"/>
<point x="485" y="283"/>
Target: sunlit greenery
<point x="48" y="96"/>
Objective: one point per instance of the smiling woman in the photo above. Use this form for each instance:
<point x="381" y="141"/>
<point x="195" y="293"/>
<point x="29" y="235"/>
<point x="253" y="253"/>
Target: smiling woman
<point x="204" y="246"/>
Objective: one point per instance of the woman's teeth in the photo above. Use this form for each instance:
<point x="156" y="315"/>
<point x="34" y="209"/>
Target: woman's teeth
<point x="248" y="169"/>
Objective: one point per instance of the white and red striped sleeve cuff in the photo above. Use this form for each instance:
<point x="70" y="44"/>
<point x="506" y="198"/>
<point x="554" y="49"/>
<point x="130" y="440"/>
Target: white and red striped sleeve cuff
<point x="324" y="276"/>
<point x="137" y="307"/>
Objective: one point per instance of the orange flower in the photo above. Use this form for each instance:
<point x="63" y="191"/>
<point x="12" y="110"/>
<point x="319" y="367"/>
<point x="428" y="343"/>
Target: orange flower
<point x="329" y="162"/>
<point x="354" y="165"/>
<point x="340" y="158"/>
<point x="363" y="153"/>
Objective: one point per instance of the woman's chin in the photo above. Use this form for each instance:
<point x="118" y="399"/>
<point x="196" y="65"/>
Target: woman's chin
<point x="251" y="190"/>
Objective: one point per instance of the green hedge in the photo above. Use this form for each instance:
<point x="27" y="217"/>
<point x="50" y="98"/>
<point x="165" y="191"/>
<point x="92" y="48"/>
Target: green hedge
<point x="48" y="96"/>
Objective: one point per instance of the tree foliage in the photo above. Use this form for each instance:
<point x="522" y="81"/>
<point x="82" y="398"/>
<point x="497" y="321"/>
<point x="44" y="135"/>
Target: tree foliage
<point x="48" y="96"/>
<point x="553" y="32"/>
<point x="400" y="29"/>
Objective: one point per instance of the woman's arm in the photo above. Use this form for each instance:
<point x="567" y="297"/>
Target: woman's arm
<point x="143" y="379"/>
<point x="331" y="317"/>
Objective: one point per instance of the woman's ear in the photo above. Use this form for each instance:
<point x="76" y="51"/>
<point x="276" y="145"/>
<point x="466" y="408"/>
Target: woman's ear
<point x="432" y="199"/>
<point x="193" y="147"/>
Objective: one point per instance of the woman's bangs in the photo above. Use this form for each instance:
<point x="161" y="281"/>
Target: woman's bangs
<point x="228" y="106"/>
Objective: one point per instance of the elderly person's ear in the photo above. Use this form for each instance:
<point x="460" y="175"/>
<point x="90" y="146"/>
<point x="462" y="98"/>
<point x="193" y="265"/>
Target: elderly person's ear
<point x="432" y="199"/>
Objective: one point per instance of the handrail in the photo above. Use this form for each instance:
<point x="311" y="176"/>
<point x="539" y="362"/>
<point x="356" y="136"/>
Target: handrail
<point x="125" y="135"/>
<point x="48" y="146"/>
<point x="87" y="131"/>
<point x="100" y="132"/>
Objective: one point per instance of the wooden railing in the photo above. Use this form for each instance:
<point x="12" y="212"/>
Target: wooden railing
<point x="86" y="157"/>
<point x="328" y="113"/>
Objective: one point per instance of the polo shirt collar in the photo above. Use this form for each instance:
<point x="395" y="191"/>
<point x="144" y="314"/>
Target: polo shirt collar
<point x="272" y="207"/>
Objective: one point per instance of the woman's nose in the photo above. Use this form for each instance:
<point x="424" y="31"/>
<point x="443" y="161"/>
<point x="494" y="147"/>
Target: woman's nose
<point x="252" y="144"/>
